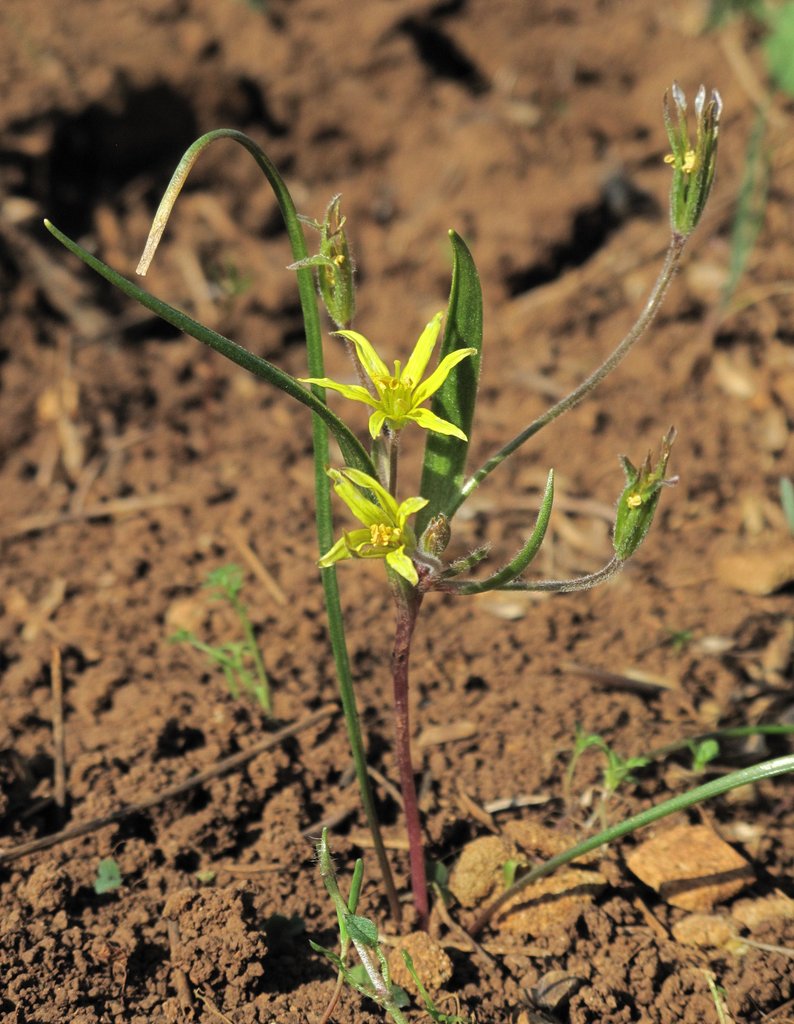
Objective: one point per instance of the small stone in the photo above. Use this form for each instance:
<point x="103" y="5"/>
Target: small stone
<point x="540" y="841"/>
<point x="554" y="990"/>
<point x="431" y="963"/>
<point x="752" y="913"/>
<point x="479" y="870"/>
<point x="759" y="571"/>
<point x="690" y="867"/>
<point x="47" y="889"/>
<point x="552" y="904"/>
<point x="186" y="613"/>
<point x="707" y="930"/>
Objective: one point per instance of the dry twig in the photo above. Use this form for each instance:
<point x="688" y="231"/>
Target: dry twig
<point x="226" y="765"/>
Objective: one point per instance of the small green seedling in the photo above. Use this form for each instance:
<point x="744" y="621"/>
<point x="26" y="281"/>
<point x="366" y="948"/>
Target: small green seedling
<point x="617" y="770"/>
<point x="372" y="978"/>
<point x="678" y="639"/>
<point x="509" y="870"/>
<point x="108" y="876"/>
<point x="235" y="658"/>
<point x="703" y="751"/>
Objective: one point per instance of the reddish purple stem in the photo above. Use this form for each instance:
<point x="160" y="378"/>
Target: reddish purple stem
<point x="407" y="610"/>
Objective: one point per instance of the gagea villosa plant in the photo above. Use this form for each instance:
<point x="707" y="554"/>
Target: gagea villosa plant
<point x="409" y="401"/>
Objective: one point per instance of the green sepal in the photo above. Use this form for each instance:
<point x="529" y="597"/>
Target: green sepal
<point x="445" y="455"/>
<point x="353" y="451"/>
<point x="517" y="565"/>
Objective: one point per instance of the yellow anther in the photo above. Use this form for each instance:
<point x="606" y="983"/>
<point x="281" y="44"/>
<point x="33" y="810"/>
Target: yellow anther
<point x="689" y="162"/>
<point x="634" y="501"/>
<point x="381" y="534"/>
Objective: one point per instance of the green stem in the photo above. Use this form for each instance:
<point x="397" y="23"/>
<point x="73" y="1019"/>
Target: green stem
<point x="765" y="770"/>
<point x="393" y="448"/>
<point x="671" y="261"/>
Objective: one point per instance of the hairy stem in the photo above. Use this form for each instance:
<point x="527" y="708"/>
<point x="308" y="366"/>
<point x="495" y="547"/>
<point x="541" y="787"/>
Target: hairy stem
<point x="408" y="604"/>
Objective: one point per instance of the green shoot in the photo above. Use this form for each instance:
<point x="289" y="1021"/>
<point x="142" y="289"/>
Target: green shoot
<point x="617" y="770"/>
<point x="703" y="752"/>
<point x="678" y="639"/>
<point x="234" y="658"/>
<point x="509" y="869"/>
<point x="438" y="877"/>
<point x="776" y="25"/>
<point x="750" y="208"/>
<point x="373" y="978"/>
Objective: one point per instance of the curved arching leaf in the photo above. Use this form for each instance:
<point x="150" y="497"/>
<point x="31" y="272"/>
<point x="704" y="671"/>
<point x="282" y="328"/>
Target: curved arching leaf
<point x="516" y="566"/>
<point x="353" y="451"/>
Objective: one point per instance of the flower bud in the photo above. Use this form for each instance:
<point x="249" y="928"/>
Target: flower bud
<point x="637" y="504"/>
<point x="335" y="267"/>
<point x="436" y="536"/>
<point x="693" y="163"/>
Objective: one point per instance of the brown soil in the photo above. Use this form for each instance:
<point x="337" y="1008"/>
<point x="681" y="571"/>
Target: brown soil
<point x="535" y="131"/>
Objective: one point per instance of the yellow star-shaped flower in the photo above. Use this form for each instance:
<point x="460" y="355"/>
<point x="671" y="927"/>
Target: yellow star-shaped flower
<point x="385" y="533"/>
<point x="399" y="395"/>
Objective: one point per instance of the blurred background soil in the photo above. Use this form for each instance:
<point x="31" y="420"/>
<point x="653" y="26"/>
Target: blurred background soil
<point x="133" y="463"/>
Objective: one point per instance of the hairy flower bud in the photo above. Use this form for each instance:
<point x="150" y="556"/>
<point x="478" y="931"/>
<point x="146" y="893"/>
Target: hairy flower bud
<point x="334" y="263"/>
<point x="436" y="537"/>
<point x="693" y="163"/>
<point x="637" y="504"/>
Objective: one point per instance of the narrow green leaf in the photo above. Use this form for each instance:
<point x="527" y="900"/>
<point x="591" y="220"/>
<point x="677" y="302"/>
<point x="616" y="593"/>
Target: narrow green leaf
<point x="354" y="452"/>
<point x="514" y="568"/>
<point x="355" y="885"/>
<point x="445" y="456"/>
